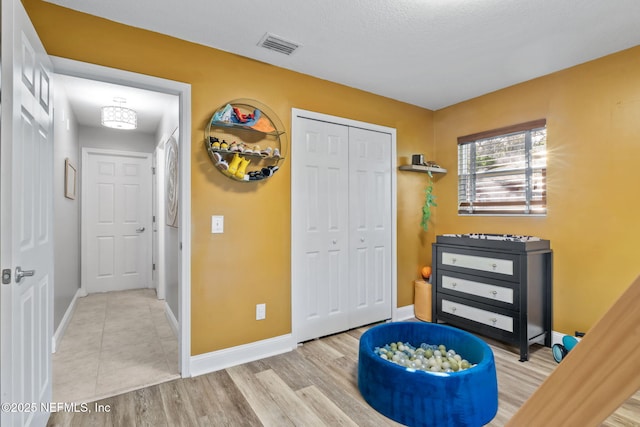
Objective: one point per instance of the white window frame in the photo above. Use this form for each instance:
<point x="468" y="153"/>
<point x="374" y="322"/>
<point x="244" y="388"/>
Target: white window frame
<point x="471" y="203"/>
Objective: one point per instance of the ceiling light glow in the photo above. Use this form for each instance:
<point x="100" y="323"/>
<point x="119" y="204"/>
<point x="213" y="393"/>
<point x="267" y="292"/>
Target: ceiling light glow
<point x="119" y="117"/>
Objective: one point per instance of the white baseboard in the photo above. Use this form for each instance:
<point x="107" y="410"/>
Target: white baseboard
<point x="64" y="323"/>
<point x="173" y="322"/>
<point x="222" y="359"/>
<point x="404" y="313"/>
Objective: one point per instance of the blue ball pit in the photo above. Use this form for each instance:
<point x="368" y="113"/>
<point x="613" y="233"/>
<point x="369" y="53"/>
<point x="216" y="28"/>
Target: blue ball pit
<point x="416" y="398"/>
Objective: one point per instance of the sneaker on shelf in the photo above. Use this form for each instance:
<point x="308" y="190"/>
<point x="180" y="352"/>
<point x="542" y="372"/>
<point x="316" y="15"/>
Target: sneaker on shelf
<point x="234" y="164"/>
<point x="269" y="170"/>
<point x="223" y="115"/>
<point x="220" y="162"/>
<point x="242" y="168"/>
<point x="256" y="176"/>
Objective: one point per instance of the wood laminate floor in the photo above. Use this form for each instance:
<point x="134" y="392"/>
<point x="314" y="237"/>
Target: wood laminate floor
<point x="315" y="385"/>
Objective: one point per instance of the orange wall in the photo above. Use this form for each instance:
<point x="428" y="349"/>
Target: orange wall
<point x="593" y="137"/>
<point x="250" y="262"/>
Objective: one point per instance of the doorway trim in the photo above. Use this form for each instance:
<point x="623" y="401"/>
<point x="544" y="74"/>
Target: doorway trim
<point x="296" y="115"/>
<point x="183" y="91"/>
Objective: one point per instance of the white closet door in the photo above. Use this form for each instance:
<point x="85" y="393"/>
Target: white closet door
<point x="369" y="226"/>
<point x="320" y="244"/>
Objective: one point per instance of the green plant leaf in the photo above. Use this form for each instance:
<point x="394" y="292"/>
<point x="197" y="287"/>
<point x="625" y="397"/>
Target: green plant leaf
<point x="429" y="202"/>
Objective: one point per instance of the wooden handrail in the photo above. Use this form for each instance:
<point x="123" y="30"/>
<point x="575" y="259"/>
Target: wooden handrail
<point x="597" y="375"/>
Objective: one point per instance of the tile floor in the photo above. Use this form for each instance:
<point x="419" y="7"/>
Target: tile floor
<point x="115" y="342"/>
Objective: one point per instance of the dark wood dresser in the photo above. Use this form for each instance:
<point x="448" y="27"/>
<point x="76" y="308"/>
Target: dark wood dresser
<point x="499" y="286"/>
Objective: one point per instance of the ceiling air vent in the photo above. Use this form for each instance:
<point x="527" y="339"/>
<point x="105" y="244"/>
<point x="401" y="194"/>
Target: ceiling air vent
<point x="278" y="44"/>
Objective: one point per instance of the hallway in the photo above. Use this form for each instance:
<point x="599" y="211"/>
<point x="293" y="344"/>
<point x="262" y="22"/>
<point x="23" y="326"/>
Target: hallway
<point x="116" y="342"/>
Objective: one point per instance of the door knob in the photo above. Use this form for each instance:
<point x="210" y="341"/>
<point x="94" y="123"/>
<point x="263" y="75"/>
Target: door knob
<point x="20" y="273"/>
<point x="139" y="229"/>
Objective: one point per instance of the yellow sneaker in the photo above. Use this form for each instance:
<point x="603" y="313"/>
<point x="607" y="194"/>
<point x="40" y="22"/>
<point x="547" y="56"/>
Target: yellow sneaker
<point x="234" y="163"/>
<point x="242" y="168"/>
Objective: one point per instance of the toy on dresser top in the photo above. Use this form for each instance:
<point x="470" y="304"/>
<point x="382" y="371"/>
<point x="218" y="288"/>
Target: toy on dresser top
<point x="500" y="237"/>
<point x="495" y="241"/>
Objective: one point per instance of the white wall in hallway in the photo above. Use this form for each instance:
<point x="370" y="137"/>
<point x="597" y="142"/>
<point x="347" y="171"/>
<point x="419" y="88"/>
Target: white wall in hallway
<point x="171" y="235"/>
<point x="66" y="211"/>
<point x="115" y="139"/>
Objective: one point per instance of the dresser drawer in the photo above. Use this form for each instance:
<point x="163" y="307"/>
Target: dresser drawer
<point x="477" y="262"/>
<point x="485" y="317"/>
<point x="472" y="287"/>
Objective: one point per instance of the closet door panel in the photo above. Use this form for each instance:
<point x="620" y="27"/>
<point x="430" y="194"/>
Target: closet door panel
<point x="370" y="226"/>
<point x="320" y="230"/>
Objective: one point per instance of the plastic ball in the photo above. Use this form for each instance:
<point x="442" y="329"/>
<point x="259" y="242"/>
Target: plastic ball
<point x="426" y="272"/>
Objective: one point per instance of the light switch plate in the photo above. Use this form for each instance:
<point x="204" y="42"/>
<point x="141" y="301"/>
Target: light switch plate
<point x="217" y="224"/>
<point x="261" y="311"/>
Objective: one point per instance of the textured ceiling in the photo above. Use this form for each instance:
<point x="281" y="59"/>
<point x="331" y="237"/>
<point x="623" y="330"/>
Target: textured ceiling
<point x="431" y="53"/>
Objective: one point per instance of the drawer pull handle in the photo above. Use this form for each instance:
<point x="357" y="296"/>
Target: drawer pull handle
<point x="453" y="309"/>
<point x="494" y="293"/>
<point x="454" y="284"/>
<point x="453" y="260"/>
<point x="494" y="266"/>
<point x="493" y="320"/>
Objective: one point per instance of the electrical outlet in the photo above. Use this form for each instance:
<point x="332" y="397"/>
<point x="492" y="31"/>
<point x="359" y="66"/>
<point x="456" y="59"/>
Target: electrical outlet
<point x="217" y="224"/>
<point x="261" y="311"/>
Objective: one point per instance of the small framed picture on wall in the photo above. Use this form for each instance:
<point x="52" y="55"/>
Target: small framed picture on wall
<point x="70" y="179"/>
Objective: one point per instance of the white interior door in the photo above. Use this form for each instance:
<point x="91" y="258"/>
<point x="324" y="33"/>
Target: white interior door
<point x="370" y="226"/>
<point x="116" y="220"/>
<point x="26" y="221"/>
<point x="320" y="229"/>
<point x="342" y="227"/>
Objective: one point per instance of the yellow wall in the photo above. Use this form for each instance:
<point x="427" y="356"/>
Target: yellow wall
<point x="593" y="117"/>
<point x="250" y="262"/>
<point x="593" y="137"/>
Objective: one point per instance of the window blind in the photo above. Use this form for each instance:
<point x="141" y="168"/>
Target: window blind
<point x="503" y="171"/>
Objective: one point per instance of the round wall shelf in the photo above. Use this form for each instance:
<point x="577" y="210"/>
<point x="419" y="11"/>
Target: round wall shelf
<point x="246" y="140"/>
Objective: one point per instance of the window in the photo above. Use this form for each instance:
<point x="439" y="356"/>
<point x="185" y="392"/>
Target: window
<point x="504" y="171"/>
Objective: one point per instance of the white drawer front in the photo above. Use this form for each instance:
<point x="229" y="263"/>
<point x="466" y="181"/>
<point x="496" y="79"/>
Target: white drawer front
<point x="494" y="265"/>
<point x="492" y="292"/>
<point x="477" y="315"/>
